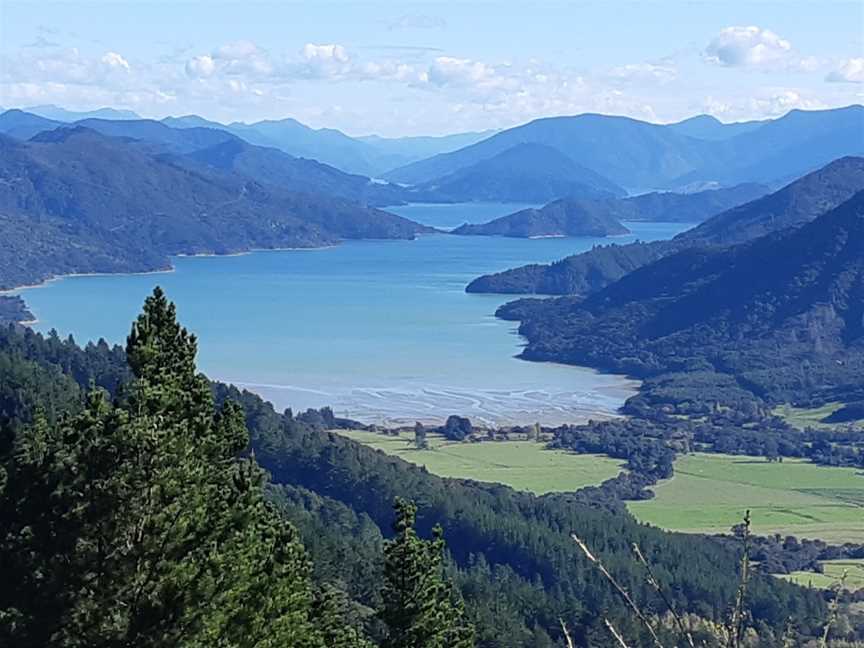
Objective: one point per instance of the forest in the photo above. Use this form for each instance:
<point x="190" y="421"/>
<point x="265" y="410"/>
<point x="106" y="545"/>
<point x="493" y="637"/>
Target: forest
<point x="508" y="556"/>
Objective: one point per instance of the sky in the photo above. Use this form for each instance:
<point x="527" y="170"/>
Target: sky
<point x="432" y="68"/>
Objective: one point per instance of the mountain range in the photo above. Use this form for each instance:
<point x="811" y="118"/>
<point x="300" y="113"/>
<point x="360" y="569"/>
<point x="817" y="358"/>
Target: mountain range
<point x="75" y="200"/>
<point x="221" y="149"/>
<point x="532" y="173"/>
<point x="799" y="202"/>
<point x="669" y="157"/>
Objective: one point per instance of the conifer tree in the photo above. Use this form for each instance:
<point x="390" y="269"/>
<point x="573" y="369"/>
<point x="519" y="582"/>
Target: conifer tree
<point x="420" y="608"/>
<point x="138" y="524"/>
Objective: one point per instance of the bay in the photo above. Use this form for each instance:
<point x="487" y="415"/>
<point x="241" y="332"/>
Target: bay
<point x="381" y="331"/>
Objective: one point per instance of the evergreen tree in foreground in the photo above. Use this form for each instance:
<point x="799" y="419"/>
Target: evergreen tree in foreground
<point x="136" y="524"/>
<point x="421" y="610"/>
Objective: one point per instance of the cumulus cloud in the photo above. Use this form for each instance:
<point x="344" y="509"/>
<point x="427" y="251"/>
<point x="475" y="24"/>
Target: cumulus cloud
<point x="747" y="46"/>
<point x="325" y="53"/>
<point x="201" y="66"/>
<point x="849" y="71"/>
<point x="115" y="61"/>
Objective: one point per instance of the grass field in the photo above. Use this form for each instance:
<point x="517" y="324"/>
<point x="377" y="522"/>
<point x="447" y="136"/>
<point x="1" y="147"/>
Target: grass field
<point x="524" y="465"/>
<point x="802" y="417"/>
<point x="709" y="493"/>
<point x="833" y="573"/>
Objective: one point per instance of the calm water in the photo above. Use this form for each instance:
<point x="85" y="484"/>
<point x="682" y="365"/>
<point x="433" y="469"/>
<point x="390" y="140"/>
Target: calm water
<point x="380" y="330"/>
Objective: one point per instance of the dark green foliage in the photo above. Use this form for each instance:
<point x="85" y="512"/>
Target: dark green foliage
<point x="512" y="557"/>
<point x="783" y="314"/>
<point x="420" y="608"/>
<point x="136" y="524"/>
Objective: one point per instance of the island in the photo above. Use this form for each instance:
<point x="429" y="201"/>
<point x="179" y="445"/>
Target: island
<point x="564" y="217"/>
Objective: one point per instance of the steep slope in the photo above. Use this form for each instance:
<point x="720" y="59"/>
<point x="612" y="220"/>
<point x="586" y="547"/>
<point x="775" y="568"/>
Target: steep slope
<point x="394" y="152"/>
<point x="784" y="313"/>
<point x="793" y="205"/>
<point x="671" y="207"/>
<point x="797" y="203"/>
<point x="73" y="200"/>
<point x="523" y="173"/>
<point x="178" y="140"/>
<point x="566" y="217"/>
<point x="658" y="156"/>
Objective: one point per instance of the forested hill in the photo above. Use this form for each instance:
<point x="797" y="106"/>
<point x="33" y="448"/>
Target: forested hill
<point x="514" y="561"/>
<point x="74" y="200"/>
<point x="565" y="217"/>
<point x="783" y="314"/>
<point x="798" y="202"/>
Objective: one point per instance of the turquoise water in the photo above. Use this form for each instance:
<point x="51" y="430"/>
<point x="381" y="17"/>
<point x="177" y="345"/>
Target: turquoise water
<point x="379" y="330"/>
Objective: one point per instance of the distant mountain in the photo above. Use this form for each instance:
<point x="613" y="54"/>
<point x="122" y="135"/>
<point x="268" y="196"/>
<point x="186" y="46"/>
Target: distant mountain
<point x="658" y="156"/>
<point x="74" y="200"/>
<point x="62" y="115"/>
<point x="23" y="125"/>
<point x="710" y="128"/>
<point x="274" y="167"/>
<point x="793" y="205"/>
<point x="671" y="207"/>
<point x="566" y="217"/>
<point x="399" y="151"/>
<point x="783" y="313"/>
<point x="217" y="147"/>
<point x="530" y="173"/>
<point x="581" y="274"/>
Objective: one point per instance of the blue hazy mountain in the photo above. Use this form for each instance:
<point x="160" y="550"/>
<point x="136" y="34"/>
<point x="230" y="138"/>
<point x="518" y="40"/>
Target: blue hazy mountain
<point x="708" y="127"/>
<point x="61" y="114"/>
<point x="658" y="156"/>
<point x="528" y="173"/>
<point x="220" y="149"/>
<point x="368" y="155"/>
<point x="24" y="125"/>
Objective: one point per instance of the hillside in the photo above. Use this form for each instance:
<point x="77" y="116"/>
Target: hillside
<point x="783" y="314"/>
<point x="797" y="203"/>
<point x="211" y="144"/>
<point x="660" y="156"/>
<point x="510" y="550"/>
<point x="567" y="217"/>
<point x="708" y="127"/>
<point x="531" y="173"/>
<point x="73" y="200"/>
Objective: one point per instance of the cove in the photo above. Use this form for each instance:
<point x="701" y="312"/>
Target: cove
<point x="382" y="331"/>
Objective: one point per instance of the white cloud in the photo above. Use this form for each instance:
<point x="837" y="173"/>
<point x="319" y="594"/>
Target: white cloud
<point x="325" y="53"/>
<point x="773" y="102"/>
<point x="645" y="72"/>
<point x="447" y="70"/>
<point x="201" y="66"/>
<point x="849" y="71"/>
<point x="115" y="61"/>
<point x="747" y="46"/>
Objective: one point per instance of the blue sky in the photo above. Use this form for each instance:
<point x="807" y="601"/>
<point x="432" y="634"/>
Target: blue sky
<point x="398" y="68"/>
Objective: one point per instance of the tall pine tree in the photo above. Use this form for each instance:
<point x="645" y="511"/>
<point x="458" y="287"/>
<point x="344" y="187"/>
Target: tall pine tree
<point x="138" y="524"/>
<point x="420" y="607"/>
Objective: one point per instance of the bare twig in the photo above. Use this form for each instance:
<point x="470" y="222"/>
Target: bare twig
<point x="652" y="580"/>
<point x="615" y="634"/>
<point x="833" y="607"/>
<point x="609" y="577"/>
<point x="737" y="621"/>
<point x="566" y="634"/>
